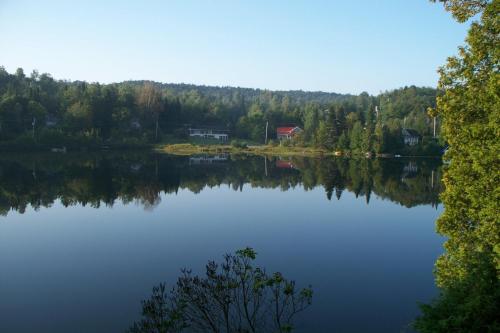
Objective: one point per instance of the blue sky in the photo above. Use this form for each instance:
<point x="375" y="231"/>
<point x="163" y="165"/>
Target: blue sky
<point x="337" y="46"/>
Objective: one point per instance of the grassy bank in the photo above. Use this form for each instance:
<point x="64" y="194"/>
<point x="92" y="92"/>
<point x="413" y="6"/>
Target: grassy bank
<point x="190" y="149"/>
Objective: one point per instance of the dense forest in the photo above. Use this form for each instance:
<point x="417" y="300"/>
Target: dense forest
<point x="38" y="110"/>
<point x="39" y="180"/>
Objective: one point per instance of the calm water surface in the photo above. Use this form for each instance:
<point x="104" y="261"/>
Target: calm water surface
<point x="84" y="238"/>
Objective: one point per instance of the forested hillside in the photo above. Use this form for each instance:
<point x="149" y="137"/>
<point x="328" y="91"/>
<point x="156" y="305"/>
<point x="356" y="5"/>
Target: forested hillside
<point x="37" y="109"/>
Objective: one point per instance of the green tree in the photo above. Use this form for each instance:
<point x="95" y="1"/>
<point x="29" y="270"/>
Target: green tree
<point x="20" y="74"/>
<point x="380" y="141"/>
<point x="311" y="121"/>
<point x="367" y="144"/>
<point x="333" y="128"/>
<point x="470" y="111"/>
<point x="343" y="143"/>
<point x="79" y="116"/>
<point x="322" y="136"/>
<point x="150" y="99"/>
<point x="356" y="138"/>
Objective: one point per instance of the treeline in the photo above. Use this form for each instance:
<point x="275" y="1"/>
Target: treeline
<point x="37" y="109"/>
<point x="101" y="179"/>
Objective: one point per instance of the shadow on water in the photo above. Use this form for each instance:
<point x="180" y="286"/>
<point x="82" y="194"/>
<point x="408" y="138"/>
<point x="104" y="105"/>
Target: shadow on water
<point x="39" y="180"/>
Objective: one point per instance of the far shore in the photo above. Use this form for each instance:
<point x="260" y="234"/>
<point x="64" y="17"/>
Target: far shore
<point x="187" y="149"/>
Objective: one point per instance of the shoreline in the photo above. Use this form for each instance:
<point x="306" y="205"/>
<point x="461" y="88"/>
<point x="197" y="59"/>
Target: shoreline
<point x="190" y="149"/>
<point x="187" y="149"/>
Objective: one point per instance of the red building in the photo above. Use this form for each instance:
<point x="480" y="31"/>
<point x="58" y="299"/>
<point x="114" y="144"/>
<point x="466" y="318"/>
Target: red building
<point x="287" y="132"/>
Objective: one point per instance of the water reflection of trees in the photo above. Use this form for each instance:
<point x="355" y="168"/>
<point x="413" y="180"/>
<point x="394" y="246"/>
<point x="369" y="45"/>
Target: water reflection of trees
<point x="102" y="179"/>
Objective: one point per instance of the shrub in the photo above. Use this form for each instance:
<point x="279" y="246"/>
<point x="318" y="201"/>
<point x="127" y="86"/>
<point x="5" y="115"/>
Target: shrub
<point x="286" y="143"/>
<point x="273" y="143"/>
<point x="233" y="296"/>
<point x="239" y="144"/>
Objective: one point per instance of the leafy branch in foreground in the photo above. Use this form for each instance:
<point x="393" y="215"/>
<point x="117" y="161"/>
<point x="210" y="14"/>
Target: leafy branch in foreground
<point x="233" y="296"/>
<point x="468" y="271"/>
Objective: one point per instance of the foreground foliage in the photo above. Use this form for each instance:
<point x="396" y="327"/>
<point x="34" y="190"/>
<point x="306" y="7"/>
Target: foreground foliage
<point x="470" y="108"/>
<point x="233" y="296"/>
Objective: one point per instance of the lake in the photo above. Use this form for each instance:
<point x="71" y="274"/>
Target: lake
<point x="85" y="237"/>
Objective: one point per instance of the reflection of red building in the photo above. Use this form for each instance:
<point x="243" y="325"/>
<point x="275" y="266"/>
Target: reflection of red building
<point x="287" y="132"/>
<point x="285" y="164"/>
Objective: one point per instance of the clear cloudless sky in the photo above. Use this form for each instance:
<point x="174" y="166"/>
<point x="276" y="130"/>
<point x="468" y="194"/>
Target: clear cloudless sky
<point x="336" y="46"/>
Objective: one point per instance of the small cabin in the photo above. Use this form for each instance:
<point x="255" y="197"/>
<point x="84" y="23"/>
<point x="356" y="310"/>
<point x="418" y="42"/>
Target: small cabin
<point x="51" y="121"/>
<point x="207" y="133"/>
<point x="135" y="124"/>
<point x="410" y="137"/>
<point x="286" y="133"/>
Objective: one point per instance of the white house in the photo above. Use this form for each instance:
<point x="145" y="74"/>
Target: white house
<point x="50" y="121"/>
<point x="220" y="135"/>
<point x="410" y="137"/>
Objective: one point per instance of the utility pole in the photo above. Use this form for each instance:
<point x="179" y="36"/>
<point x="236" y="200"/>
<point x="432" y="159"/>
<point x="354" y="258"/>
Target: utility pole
<point x="434" y="125"/>
<point x="156" y="130"/>
<point x="267" y="124"/>
<point x="33" y="124"/>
